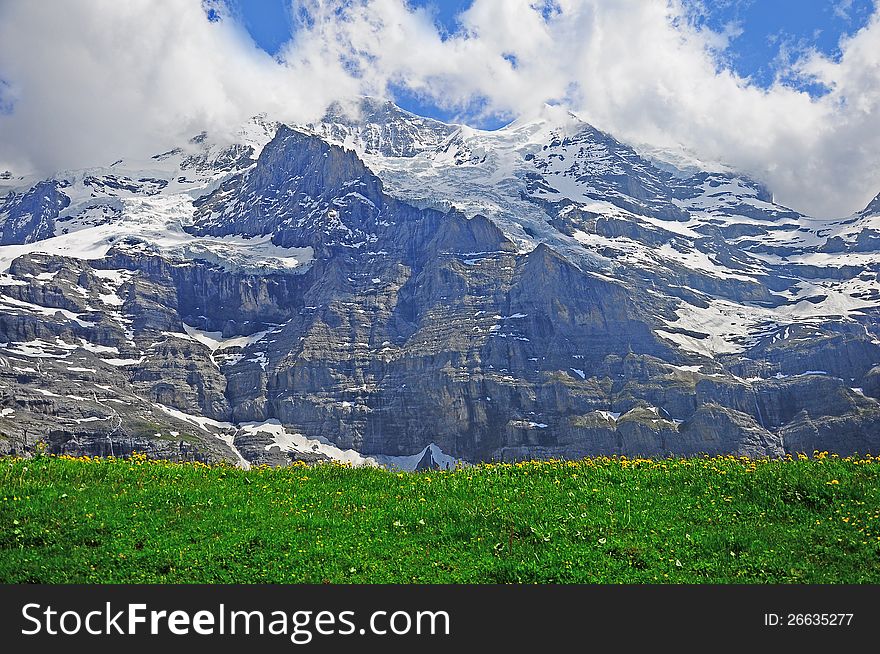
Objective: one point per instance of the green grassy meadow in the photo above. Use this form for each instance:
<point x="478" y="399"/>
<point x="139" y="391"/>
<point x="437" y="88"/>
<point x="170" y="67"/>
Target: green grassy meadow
<point x="602" y="520"/>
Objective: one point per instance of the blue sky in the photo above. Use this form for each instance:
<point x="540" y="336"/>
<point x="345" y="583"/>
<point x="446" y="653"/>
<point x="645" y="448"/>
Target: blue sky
<point x="772" y="28"/>
<point x="764" y="35"/>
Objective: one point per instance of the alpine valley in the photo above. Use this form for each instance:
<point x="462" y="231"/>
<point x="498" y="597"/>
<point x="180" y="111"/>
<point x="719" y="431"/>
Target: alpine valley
<point x="387" y="289"/>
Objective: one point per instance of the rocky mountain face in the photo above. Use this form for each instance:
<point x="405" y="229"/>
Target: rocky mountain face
<point x="384" y="288"/>
<point x="30" y="217"/>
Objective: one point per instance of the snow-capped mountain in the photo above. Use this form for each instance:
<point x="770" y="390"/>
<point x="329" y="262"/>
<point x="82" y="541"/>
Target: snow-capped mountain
<point x="384" y="288"/>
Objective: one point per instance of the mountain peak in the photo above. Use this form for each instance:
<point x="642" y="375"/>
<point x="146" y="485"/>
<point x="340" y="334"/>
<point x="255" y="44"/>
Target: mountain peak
<point x="552" y="114"/>
<point x="371" y="125"/>
<point x="872" y="208"/>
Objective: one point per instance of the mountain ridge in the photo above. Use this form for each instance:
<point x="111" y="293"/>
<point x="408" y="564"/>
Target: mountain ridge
<point x="383" y="286"/>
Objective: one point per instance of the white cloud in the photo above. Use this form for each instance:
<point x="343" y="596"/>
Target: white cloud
<point x="95" y="80"/>
<point x="129" y="74"/>
<point x="842" y="9"/>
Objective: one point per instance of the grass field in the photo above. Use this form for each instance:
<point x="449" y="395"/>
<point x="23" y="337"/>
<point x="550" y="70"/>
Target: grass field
<point x="602" y="520"/>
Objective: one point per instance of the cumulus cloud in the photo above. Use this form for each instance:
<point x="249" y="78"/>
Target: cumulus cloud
<point x="132" y="74"/>
<point x="88" y="82"/>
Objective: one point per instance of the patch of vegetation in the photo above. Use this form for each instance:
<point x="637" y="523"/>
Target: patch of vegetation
<point x="140" y="428"/>
<point x="145" y="429"/>
<point x="181" y="437"/>
<point x="603" y="520"/>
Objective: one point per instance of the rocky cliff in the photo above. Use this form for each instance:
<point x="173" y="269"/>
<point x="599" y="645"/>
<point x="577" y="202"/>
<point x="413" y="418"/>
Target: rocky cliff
<point x="381" y="285"/>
